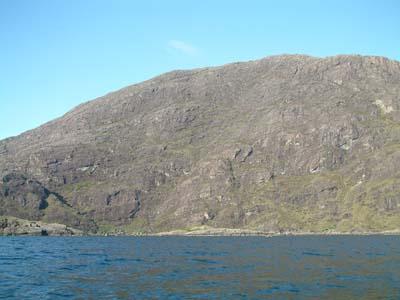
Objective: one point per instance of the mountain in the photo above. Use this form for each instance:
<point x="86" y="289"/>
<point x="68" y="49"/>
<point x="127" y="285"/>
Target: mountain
<point x="288" y="143"/>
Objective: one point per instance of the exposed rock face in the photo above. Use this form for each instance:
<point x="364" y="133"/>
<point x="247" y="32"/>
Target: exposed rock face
<point x="286" y="143"/>
<point x="26" y="193"/>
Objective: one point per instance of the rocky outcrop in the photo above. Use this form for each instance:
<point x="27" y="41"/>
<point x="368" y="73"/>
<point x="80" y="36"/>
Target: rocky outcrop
<point x="288" y="143"/>
<point x="14" y="226"/>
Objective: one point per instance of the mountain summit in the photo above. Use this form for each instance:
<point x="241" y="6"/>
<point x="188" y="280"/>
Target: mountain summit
<point x="288" y="143"/>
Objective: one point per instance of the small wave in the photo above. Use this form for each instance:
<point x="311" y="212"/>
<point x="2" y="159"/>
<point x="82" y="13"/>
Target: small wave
<point x="316" y="254"/>
<point x="202" y="260"/>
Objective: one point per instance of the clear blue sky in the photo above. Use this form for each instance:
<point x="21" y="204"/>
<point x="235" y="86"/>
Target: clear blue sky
<point x="55" y="54"/>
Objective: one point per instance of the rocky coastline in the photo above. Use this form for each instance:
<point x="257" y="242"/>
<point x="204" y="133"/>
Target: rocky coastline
<point x="10" y="226"/>
<point x="18" y="227"/>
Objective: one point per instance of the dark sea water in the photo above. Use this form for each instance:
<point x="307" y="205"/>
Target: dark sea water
<point x="313" y="267"/>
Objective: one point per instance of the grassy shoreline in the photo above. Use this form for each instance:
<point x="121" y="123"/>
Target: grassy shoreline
<point x="11" y="226"/>
<point x="234" y="232"/>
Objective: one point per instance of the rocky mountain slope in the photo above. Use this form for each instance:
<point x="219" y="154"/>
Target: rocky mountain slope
<point x="287" y="143"/>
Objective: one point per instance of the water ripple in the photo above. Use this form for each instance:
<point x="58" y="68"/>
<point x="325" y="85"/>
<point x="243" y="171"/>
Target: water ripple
<point x="337" y="267"/>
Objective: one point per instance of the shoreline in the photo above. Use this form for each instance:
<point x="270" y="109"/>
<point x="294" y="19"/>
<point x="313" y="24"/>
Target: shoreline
<point x="218" y="234"/>
<point x="11" y="226"/>
<point x="264" y="234"/>
<point x="166" y="234"/>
